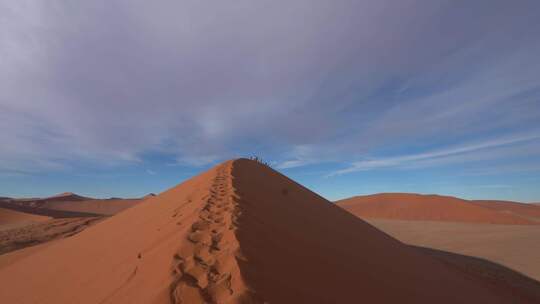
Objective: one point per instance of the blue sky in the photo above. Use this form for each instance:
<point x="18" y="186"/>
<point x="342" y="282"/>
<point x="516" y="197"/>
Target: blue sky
<point x="122" y="98"/>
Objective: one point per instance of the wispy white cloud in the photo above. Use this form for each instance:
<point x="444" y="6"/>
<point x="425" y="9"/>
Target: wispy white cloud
<point x="495" y="186"/>
<point x="299" y="156"/>
<point x="292" y="164"/>
<point x="433" y="158"/>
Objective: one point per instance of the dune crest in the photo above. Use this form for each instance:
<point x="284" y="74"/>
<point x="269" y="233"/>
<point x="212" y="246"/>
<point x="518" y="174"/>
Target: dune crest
<point x="206" y="266"/>
<point x="238" y="233"/>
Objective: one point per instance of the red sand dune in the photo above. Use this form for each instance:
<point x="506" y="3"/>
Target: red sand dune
<point x="404" y="206"/>
<point x="14" y="217"/>
<point x="238" y="233"/>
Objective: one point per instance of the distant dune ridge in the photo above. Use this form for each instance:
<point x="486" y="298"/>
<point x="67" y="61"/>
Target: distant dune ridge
<point x="238" y="233"/>
<point x="97" y="206"/>
<point x="405" y="206"/>
<point x="33" y="221"/>
<point x="527" y="211"/>
<point x="71" y="205"/>
<point x="8" y="216"/>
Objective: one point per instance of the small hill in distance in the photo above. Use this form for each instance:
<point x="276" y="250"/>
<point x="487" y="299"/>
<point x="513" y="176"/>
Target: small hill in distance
<point x="406" y="206"/>
<point x="66" y="196"/>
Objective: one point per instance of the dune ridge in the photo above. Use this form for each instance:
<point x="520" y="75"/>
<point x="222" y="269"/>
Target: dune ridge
<point x="406" y="206"/>
<point x="238" y="233"/>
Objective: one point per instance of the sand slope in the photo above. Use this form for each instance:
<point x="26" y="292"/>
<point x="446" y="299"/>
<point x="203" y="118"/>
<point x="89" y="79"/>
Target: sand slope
<point x="403" y="206"/>
<point x="238" y="233"/>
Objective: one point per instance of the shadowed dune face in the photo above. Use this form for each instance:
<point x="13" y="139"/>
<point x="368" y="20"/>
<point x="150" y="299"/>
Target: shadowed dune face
<point x="401" y="206"/>
<point x="300" y="248"/>
<point x="238" y="233"/>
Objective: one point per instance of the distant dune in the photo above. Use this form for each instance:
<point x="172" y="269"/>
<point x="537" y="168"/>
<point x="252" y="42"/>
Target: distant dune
<point x="96" y="206"/>
<point x="239" y="233"/>
<point x="66" y="196"/>
<point x="403" y="206"/>
<point x="527" y="211"/>
<point x="69" y="204"/>
<point x="9" y="217"/>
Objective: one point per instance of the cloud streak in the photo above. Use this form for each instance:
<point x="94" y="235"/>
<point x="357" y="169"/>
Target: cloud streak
<point x="436" y="157"/>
